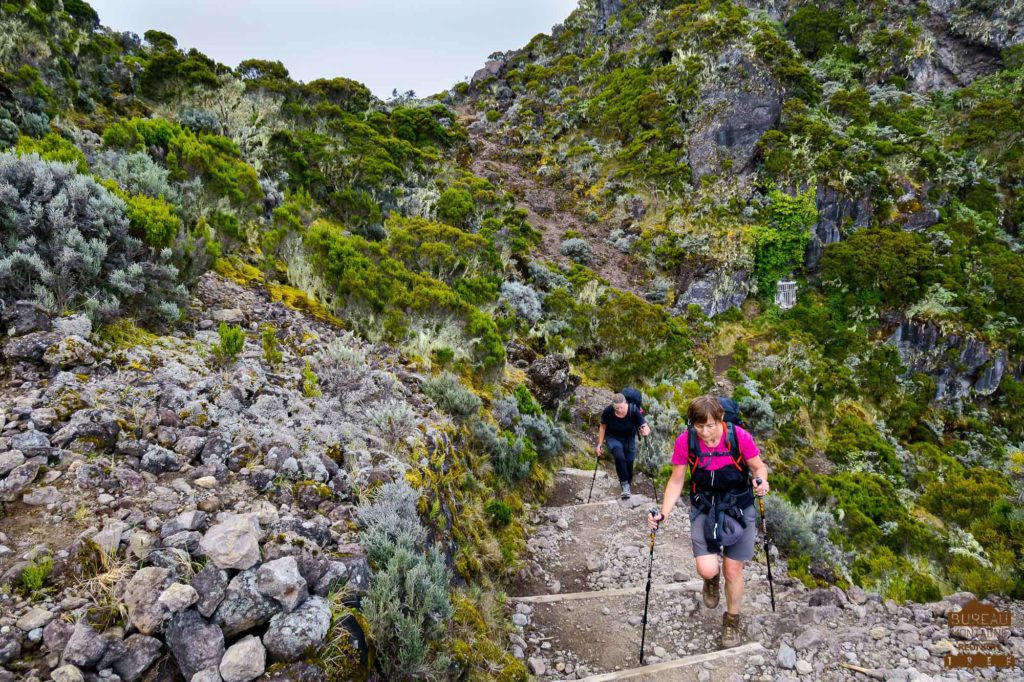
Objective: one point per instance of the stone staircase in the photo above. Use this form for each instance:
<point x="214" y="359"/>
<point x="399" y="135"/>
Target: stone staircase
<point x="580" y="599"/>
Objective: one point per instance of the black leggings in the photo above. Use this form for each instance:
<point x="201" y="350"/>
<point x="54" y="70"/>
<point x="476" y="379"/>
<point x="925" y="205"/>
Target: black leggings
<point x="624" y="452"/>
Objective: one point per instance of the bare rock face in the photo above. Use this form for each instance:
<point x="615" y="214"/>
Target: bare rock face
<point x="731" y="117"/>
<point x="835" y="210"/>
<point x="552" y="379"/>
<point x="923" y="347"/>
<point x="24" y="317"/>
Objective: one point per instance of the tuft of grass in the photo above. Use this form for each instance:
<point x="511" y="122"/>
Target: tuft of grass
<point x="33" y="576"/>
<point x="310" y="382"/>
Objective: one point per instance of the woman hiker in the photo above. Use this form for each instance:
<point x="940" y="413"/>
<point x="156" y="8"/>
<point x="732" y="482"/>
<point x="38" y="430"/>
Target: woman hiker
<point x="720" y="488"/>
<point x="620" y="423"/>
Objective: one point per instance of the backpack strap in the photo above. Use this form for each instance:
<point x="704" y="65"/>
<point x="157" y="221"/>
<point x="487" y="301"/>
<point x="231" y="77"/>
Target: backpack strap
<point x="738" y="460"/>
<point x="692" y="455"/>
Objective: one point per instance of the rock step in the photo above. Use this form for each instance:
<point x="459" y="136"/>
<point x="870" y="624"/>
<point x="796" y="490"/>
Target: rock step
<point x="691" y="585"/>
<point x="674" y="670"/>
<point x="600" y="631"/>
<point x="603" y="546"/>
<point x="572" y="486"/>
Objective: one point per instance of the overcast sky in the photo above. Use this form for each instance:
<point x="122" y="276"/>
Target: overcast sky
<point x="421" y="45"/>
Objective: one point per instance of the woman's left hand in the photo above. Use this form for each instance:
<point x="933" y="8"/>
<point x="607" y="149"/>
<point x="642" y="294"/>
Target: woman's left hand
<point x="762" y="489"/>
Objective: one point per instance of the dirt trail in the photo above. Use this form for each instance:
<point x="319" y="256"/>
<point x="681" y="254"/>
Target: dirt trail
<point x="547" y="205"/>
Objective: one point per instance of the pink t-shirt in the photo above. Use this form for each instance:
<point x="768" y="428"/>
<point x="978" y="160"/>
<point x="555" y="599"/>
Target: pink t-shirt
<point x="711" y="462"/>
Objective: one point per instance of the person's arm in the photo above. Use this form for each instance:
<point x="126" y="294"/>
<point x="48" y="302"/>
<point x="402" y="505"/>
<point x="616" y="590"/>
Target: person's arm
<point x="759" y="470"/>
<point x="672" y="492"/>
<point x="600" y="438"/>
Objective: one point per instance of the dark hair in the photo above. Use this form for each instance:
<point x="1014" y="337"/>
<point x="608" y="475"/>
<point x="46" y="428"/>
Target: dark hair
<point x="704" y="408"/>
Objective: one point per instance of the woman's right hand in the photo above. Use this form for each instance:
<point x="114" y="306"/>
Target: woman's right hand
<point x="654" y="519"/>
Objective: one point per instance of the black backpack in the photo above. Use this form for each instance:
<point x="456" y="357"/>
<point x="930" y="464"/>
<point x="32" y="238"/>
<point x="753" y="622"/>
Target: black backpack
<point x="634" y="397"/>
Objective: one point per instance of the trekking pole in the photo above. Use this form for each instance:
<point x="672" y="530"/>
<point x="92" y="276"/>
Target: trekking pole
<point x="647" y="597"/>
<point x="767" y="543"/>
<point x="597" y="465"/>
<point x="649" y="447"/>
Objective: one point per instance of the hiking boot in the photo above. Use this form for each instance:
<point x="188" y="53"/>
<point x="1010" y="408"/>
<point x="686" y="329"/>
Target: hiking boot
<point x="730" y="630"/>
<point x="625" y="491"/>
<point x="711" y="591"/>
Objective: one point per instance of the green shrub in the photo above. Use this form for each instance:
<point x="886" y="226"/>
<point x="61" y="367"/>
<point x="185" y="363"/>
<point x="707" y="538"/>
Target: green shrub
<point x="34" y="575"/>
<point x="153" y="220"/>
<point x="455" y="207"/>
<point x="779" y="245"/>
<point x="232" y="341"/>
<point x="53" y="147"/>
<point x="451" y="396"/>
<point x="268" y="340"/>
<point x="310" y="382"/>
<point x="499" y="512"/>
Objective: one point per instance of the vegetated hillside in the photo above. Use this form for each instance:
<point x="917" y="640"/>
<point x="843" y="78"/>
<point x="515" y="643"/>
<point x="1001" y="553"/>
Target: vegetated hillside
<point x="872" y="153"/>
<point x="612" y="204"/>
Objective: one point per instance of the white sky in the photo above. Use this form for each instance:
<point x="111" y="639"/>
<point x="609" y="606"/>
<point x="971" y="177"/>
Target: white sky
<point x="421" y="45"/>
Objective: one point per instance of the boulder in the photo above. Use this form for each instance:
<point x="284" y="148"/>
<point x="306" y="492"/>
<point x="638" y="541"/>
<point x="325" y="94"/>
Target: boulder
<point x="244" y="660"/>
<point x="141" y="597"/>
<point x="10" y="460"/>
<point x="211" y="584"/>
<point x="20" y="478"/>
<point x="24" y="317"/>
<point x="71" y="351"/>
<point x="243" y="606"/>
<point x="280" y="580"/>
<point x="89" y="431"/>
<point x="232" y="543"/>
<point x="178" y="597"/>
<point x="85" y="647"/>
<point x="551" y="379"/>
<point x="291" y="634"/>
<point x="140" y="653"/>
<point x="158" y="460"/>
<point x="195" y="644"/>
<point x="31" y="347"/>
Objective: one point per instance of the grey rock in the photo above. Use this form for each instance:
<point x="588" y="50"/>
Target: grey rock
<point x="551" y="379"/>
<point x="67" y="673"/>
<point x="40" y="497"/>
<point x="158" y="460"/>
<point x="714" y="290"/>
<point x="20" y="478"/>
<point x="291" y="634"/>
<point x="358" y="573"/>
<point x="141" y="598"/>
<point x="244" y="660"/>
<point x="24" y="317"/>
<point x="10" y="646"/>
<point x="178" y="597"/>
<point x="834" y="209"/>
<point x="44" y="418"/>
<point x="280" y="580"/>
<point x="731" y="116"/>
<point x="812" y="638"/>
<point x="232" y="543"/>
<point x="56" y="635"/>
<point x="141" y="652"/>
<point x="31" y="347"/>
<point x="187" y="541"/>
<point x="89" y="431"/>
<point x="195" y="644"/>
<point x="207" y="675"/>
<point x="85" y="647"/>
<point x="537" y="666"/>
<point x="10" y="460"/>
<point x="30" y="442"/>
<point x="787" y="657"/>
<point x="36" y="617"/>
<point x="957" y="363"/>
<point x="803" y="667"/>
<point x="74" y="325"/>
<point x="335" y="575"/>
<point x="211" y="584"/>
<point x="71" y="351"/>
<point x="243" y="606"/>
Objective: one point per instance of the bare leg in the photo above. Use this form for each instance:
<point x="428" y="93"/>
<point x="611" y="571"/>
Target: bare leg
<point x="707" y="566"/>
<point x="733" y="571"/>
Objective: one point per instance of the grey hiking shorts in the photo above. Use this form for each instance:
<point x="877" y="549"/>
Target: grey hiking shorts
<point x="741" y="551"/>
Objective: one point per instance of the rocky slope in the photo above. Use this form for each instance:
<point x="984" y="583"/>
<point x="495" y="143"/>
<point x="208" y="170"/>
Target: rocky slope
<point x="196" y="514"/>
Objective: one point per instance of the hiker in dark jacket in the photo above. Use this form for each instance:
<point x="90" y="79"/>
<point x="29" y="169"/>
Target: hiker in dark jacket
<point x="722" y="505"/>
<point x="620" y="423"/>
